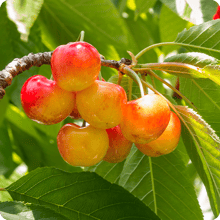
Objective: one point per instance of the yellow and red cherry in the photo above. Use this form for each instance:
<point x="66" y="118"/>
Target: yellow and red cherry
<point x="75" y="66"/>
<point x="119" y="146"/>
<point x="145" y="119"/>
<point x="45" y="102"/>
<point x="167" y="142"/>
<point x="82" y="146"/>
<point x="101" y="104"/>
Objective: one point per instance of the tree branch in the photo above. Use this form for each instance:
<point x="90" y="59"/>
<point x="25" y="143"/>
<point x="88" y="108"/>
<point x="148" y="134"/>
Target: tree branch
<point x="19" y="65"/>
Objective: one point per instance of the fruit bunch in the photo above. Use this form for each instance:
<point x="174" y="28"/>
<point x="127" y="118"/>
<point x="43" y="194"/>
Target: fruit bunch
<point x="114" y="123"/>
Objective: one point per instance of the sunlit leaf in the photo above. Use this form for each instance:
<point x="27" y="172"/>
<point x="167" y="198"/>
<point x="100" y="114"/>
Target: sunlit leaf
<point x="193" y="58"/>
<point x="202" y="38"/>
<point x="162" y="183"/>
<point x="20" y="211"/>
<point x="203" y="147"/>
<point x="23" y="14"/>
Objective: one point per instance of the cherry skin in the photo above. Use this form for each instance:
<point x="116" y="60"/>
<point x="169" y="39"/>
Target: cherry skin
<point x="75" y="113"/>
<point x="145" y="119"/>
<point x="75" y="66"/>
<point x="119" y="146"/>
<point x="101" y="104"/>
<point x="82" y="146"/>
<point x="167" y="142"/>
<point x="43" y="101"/>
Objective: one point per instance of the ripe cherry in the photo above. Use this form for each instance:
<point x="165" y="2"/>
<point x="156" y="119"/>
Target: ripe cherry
<point x="119" y="146"/>
<point x="167" y="142"/>
<point x="145" y="119"/>
<point x="101" y="104"/>
<point x="75" y="66"/>
<point x="82" y="146"/>
<point x="45" y="102"/>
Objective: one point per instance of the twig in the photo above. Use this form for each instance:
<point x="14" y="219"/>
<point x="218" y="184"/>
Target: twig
<point x="19" y="65"/>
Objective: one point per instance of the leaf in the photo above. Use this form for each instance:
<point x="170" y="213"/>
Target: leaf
<point x="213" y="73"/>
<point x="13" y="47"/>
<point x="146" y="38"/>
<point x="4" y="103"/>
<point x="143" y="6"/>
<point x="21" y="211"/>
<point x="203" y="147"/>
<point x="170" y="25"/>
<point x="196" y="12"/>
<point x="205" y="95"/>
<point x="6" y="162"/>
<point x="19" y="119"/>
<point x="82" y="195"/>
<point x="63" y="20"/>
<point x="202" y="38"/>
<point x="193" y="58"/>
<point x="109" y="171"/>
<point x="162" y="184"/>
<point x="23" y="14"/>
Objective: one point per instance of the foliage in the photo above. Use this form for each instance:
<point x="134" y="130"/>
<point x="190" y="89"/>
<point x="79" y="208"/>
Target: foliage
<point x="139" y="187"/>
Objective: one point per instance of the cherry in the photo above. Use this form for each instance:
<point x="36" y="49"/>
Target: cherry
<point x="43" y="101"/>
<point x="75" y="66"/>
<point x="101" y="104"/>
<point x="75" y="113"/>
<point x="145" y="119"/>
<point x="82" y="146"/>
<point x="167" y="142"/>
<point x="119" y="146"/>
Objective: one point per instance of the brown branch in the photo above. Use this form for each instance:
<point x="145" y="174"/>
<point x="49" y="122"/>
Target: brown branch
<point x="19" y="65"/>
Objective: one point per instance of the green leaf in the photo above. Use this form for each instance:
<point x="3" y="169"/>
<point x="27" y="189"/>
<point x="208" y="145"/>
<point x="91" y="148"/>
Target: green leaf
<point x="170" y="25"/>
<point x="20" y="211"/>
<point x="6" y="162"/>
<point x="19" y="119"/>
<point x="193" y="58"/>
<point x="203" y="147"/>
<point x="196" y="12"/>
<point x="23" y="14"/>
<point x="62" y="21"/>
<point x="109" y="171"/>
<point x="143" y="6"/>
<point x="205" y="94"/>
<point x="213" y="73"/>
<point x="147" y="36"/>
<point x="82" y="195"/>
<point x="202" y="38"/>
<point x="162" y="184"/>
<point x="4" y="103"/>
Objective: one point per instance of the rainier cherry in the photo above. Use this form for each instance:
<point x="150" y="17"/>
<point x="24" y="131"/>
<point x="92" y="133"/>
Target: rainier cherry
<point x="101" y="104"/>
<point x="145" y="119"/>
<point x="82" y="146"/>
<point x="167" y="142"/>
<point x="119" y="146"/>
<point x="75" y="66"/>
<point x="43" y="101"/>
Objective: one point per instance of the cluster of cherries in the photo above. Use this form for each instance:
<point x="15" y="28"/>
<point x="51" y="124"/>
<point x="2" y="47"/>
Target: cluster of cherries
<point x="114" y="123"/>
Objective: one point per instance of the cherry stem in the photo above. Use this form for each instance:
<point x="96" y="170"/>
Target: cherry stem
<point x="81" y="36"/>
<point x="3" y="189"/>
<point x="119" y="78"/>
<point x="143" y="76"/>
<point x="173" y="88"/>
<point x="181" y="68"/>
<point x="125" y="69"/>
<point x="168" y="44"/>
<point x="130" y="83"/>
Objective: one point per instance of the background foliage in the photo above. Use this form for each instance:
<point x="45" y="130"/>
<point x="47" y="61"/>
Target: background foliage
<point x="166" y="187"/>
